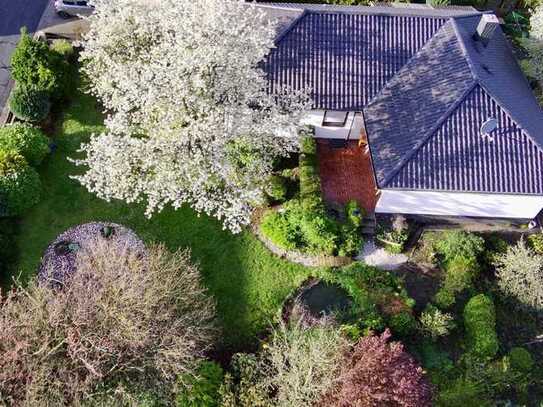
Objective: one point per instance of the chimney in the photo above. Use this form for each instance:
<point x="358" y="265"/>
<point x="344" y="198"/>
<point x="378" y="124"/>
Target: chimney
<point x="486" y="28"/>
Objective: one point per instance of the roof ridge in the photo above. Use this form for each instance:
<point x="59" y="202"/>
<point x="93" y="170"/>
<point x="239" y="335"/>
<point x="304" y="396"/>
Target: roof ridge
<point x="464" y="49"/>
<point x="431" y="133"/>
<point x="374" y="10"/>
<point x="405" y="66"/>
<point x="290" y="27"/>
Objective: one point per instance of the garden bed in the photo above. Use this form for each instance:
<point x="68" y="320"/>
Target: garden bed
<point x="294" y="256"/>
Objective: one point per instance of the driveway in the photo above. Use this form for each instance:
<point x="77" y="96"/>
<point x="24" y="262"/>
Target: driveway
<point x="15" y="14"/>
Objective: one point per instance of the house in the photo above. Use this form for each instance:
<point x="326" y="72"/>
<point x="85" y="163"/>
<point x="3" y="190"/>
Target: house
<point x="417" y="111"/>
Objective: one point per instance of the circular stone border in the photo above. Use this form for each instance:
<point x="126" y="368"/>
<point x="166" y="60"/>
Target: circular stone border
<point x="295" y="256"/>
<point x="59" y="259"/>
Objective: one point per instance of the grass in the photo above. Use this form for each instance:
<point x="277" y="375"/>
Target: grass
<point x="248" y="282"/>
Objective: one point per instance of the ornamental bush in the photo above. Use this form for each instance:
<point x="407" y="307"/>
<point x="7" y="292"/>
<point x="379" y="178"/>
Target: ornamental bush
<point x="277" y="188"/>
<point x="302" y="363"/>
<point x="379" y="373"/>
<point x="20" y="185"/>
<point x="459" y="244"/>
<point x="34" y="64"/>
<point x="520" y="275"/>
<point x="63" y="48"/>
<point x="480" y="325"/>
<point x="29" y="103"/>
<point x="123" y="318"/>
<point x="459" y="272"/>
<point x="27" y="140"/>
<point x="354" y="213"/>
<point x="521" y="360"/>
<point x="244" y="385"/>
<point x="536" y="242"/>
<point x="435" y="323"/>
<point x="402" y="323"/>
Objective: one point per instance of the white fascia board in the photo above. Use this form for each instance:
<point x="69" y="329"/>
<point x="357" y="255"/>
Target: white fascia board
<point x="459" y="204"/>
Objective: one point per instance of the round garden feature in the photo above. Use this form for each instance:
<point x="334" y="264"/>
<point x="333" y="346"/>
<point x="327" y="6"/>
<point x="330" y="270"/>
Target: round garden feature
<point x="317" y="299"/>
<point x="59" y="259"/>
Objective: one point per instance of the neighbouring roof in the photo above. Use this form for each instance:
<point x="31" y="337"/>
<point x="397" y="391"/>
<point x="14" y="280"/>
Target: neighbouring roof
<point x="425" y="85"/>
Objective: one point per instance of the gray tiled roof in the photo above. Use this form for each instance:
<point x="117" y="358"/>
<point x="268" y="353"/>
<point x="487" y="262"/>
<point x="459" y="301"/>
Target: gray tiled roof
<point x="425" y="86"/>
<point x="346" y="59"/>
<point x="407" y="111"/>
<point x="457" y="158"/>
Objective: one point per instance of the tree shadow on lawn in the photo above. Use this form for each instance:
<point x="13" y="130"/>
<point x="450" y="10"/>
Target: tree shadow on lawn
<point x="247" y="281"/>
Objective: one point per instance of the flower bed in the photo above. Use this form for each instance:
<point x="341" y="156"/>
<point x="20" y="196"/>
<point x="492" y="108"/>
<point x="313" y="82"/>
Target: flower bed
<point x="59" y="259"/>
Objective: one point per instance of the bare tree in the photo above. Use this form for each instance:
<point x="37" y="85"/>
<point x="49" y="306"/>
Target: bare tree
<point x="120" y="318"/>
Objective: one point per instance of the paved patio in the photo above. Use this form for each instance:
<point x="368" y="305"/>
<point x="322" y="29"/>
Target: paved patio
<point x="347" y="173"/>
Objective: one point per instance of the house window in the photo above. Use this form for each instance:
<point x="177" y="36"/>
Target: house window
<point x="334" y="118"/>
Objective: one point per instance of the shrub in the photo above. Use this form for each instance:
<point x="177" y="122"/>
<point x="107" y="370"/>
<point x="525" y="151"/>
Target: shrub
<point x="350" y="240"/>
<point x="319" y="233"/>
<point x="480" y="325"/>
<point x="435" y="323"/>
<point x="201" y="390"/>
<point x="34" y="65"/>
<point x="20" y="184"/>
<point x="458" y="277"/>
<point x="393" y="236"/>
<point x="536" y="242"/>
<point x="463" y="392"/>
<point x="310" y="184"/>
<point x="244" y="386"/>
<point x="354" y="213"/>
<point x="459" y="244"/>
<point x="302" y="363"/>
<point x="521" y="360"/>
<point x="379" y="373"/>
<point x="27" y="140"/>
<point x="437" y="363"/>
<point x="277" y="188"/>
<point x="520" y="275"/>
<point x="29" y="104"/>
<point x="60" y="345"/>
<point x="403" y="323"/>
<point x="63" y="48"/>
<point x="277" y="227"/>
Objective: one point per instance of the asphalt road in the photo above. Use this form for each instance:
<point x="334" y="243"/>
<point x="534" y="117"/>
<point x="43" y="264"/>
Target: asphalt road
<point x="15" y="14"/>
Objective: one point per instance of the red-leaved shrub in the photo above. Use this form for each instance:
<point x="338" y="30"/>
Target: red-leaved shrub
<point x="379" y="373"/>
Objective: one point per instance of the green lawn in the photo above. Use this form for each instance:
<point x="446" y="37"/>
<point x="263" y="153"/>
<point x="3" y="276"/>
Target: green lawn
<point x="248" y="283"/>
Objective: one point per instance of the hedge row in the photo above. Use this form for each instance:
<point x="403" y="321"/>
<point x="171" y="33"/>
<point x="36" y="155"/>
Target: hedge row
<point x="480" y="325"/>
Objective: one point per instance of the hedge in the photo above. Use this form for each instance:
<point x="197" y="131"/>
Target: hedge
<point x="27" y="140"/>
<point x="480" y="325"/>
<point x="19" y="184"/>
<point x="29" y="103"/>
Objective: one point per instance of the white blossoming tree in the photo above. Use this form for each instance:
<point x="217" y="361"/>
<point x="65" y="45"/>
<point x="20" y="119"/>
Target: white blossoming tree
<point x="534" y="45"/>
<point x="189" y="116"/>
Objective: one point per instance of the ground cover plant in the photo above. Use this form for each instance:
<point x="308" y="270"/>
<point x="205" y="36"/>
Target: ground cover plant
<point x="247" y="281"/>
